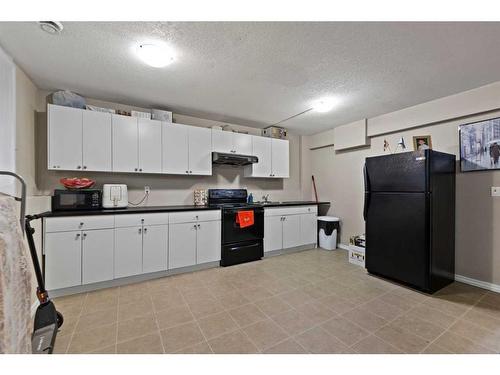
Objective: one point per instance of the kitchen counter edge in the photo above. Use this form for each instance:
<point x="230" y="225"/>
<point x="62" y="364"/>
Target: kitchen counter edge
<point x="152" y="209"/>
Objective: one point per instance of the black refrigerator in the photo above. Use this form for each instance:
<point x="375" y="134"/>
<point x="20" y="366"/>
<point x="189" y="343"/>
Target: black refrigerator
<point x="409" y="213"/>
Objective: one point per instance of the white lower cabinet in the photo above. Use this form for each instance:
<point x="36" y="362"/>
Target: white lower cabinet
<point x="273" y="233"/>
<point x="286" y="228"/>
<point x="308" y="228"/>
<point x="63" y="259"/>
<point x="154" y="248"/>
<point x="97" y="255"/>
<point x="182" y="245"/>
<point x="208" y="242"/>
<point x="128" y="251"/>
<point x="291" y="231"/>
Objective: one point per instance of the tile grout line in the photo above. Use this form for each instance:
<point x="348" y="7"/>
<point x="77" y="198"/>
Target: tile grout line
<point x="76" y="324"/>
<point x="453" y="322"/>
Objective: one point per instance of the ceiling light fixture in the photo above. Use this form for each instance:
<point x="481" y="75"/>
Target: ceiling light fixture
<point x="155" y="55"/>
<point x="51" y="27"/>
<point x="324" y="105"/>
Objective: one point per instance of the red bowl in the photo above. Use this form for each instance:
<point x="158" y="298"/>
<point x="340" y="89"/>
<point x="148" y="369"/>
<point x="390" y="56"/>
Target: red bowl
<point x="77" y="182"/>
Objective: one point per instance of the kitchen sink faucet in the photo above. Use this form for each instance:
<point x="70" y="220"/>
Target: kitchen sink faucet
<point x="265" y="198"/>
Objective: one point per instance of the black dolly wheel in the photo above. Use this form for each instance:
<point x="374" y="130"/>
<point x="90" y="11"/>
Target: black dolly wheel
<point x="60" y="319"/>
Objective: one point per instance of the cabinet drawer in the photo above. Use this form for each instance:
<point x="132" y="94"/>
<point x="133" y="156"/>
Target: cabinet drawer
<point x="297" y="210"/>
<point x="133" y="220"/>
<point x="194" y="216"/>
<point x="64" y="224"/>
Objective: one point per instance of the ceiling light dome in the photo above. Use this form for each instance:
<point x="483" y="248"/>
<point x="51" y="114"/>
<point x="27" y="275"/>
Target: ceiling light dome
<point x="324" y="104"/>
<point x="155" y="55"/>
<point x="51" y="27"/>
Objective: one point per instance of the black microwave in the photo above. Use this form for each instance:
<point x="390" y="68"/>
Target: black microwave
<point x="74" y="200"/>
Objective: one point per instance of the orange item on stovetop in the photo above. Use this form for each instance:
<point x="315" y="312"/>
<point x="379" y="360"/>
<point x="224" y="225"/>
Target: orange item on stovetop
<point x="244" y="218"/>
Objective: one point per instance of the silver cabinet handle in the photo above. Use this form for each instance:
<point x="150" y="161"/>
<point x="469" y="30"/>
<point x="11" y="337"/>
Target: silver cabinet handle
<point x="199" y="226"/>
<point x="78" y="167"/>
<point x="145" y="230"/>
<point x="78" y="235"/>
<point x="190" y="171"/>
<point x="84" y="235"/>
<point x="194" y="226"/>
<point x="140" y="230"/>
<point x="135" y="169"/>
<point x="142" y="220"/>
<point x="81" y="224"/>
<point x="140" y="169"/>
<point x="55" y="166"/>
<point x="196" y="217"/>
<point x="187" y="171"/>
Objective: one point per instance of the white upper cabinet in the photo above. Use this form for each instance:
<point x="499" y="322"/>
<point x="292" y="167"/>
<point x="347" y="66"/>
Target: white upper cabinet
<point x="83" y="140"/>
<point x="125" y="144"/>
<point x="280" y="158"/>
<point x="261" y="147"/>
<point x="175" y="149"/>
<point x="96" y="143"/>
<point x="150" y="143"/>
<point x="200" y="151"/>
<point x="274" y="158"/>
<point x="64" y="138"/>
<point x="231" y="143"/>
<point x="242" y="144"/>
<point x="222" y="141"/>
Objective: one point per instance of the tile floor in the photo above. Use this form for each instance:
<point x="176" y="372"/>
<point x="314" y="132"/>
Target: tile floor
<point x="308" y="302"/>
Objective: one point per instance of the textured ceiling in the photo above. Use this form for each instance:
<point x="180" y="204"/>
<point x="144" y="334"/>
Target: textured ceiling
<point x="257" y="74"/>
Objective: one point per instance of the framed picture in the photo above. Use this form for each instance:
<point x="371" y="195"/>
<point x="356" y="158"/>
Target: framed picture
<point x="480" y="145"/>
<point x="422" y="142"/>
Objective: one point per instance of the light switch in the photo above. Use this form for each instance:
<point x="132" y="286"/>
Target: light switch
<point x="495" y="191"/>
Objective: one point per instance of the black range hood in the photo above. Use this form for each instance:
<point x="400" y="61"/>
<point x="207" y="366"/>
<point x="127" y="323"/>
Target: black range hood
<point x="233" y="159"/>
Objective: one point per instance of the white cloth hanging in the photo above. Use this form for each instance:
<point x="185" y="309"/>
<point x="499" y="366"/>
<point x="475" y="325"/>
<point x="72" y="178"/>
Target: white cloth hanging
<point x="15" y="282"/>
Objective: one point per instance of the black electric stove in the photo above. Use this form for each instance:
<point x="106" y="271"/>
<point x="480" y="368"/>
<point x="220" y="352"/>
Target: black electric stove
<point x="239" y="245"/>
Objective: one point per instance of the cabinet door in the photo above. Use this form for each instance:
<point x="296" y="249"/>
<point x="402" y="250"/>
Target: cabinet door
<point x="154" y="248"/>
<point x="262" y="149"/>
<point x="128" y="251"/>
<point x="281" y="158"/>
<point x="291" y="231"/>
<point x="149" y="146"/>
<point x="96" y="141"/>
<point x="273" y="233"/>
<point x="200" y="151"/>
<point x="222" y="141"/>
<point x="208" y="242"/>
<point x="175" y="149"/>
<point x="64" y="138"/>
<point x="125" y="155"/>
<point x="181" y="245"/>
<point x="308" y="229"/>
<point x="242" y="144"/>
<point x="63" y="259"/>
<point x="97" y="255"/>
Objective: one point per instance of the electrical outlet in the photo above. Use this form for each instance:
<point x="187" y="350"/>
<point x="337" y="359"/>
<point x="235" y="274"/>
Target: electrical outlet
<point x="147" y="190"/>
<point x="495" y="191"/>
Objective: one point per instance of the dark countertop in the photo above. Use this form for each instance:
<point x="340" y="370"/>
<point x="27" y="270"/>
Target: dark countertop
<point x="152" y="209"/>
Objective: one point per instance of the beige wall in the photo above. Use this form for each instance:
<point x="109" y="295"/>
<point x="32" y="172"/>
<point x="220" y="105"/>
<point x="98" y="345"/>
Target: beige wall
<point x="339" y="179"/>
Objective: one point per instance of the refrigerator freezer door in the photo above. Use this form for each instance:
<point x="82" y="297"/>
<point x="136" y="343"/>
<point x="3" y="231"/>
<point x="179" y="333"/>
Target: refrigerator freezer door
<point x="398" y="172"/>
<point x="397" y="237"/>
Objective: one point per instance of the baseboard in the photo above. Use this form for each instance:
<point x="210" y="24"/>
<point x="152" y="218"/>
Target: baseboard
<point x="463" y="279"/>
<point x="478" y="283"/>
<point x="343" y="246"/>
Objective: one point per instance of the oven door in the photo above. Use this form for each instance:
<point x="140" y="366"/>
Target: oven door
<point x="231" y="231"/>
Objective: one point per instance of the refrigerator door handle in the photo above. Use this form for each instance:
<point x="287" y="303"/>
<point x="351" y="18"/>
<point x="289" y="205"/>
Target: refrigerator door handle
<point x="365" y="178"/>
<point x="367" y="203"/>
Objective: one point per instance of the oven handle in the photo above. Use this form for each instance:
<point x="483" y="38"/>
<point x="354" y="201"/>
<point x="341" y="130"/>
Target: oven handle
<point x="243" y="247"/>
